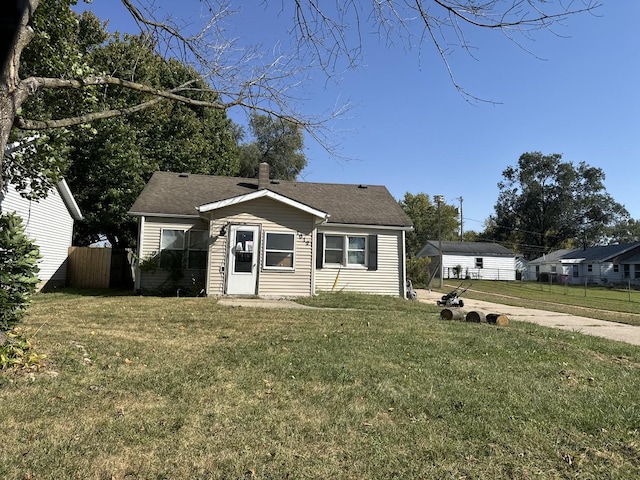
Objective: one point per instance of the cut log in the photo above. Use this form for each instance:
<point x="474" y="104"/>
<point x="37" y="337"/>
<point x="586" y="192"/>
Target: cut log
<point x="498" y="319"/>
<point x="476" y="317"/>
<point x="452" y="314"/>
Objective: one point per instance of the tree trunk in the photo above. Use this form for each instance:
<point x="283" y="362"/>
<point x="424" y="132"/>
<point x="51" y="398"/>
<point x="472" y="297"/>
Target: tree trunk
<point x="17" y="35"/>
<point x="476" y="317"/>
<point x="498" y="319"/>
<point x="452" y="314"/>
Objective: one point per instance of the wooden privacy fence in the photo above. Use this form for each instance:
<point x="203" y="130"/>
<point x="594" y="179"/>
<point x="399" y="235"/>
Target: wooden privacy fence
<point x="89" y="267"/>
<point x="99" y="268"/>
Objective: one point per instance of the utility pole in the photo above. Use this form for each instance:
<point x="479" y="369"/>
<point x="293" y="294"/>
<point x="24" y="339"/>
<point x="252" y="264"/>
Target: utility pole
<point x="439" y="199"/>
<point x="461" y="220"/>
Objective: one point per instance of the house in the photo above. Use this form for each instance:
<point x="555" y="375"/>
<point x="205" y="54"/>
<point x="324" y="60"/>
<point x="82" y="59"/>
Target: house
<point x="541" y="268"/>
<point x="243" y="236"/>
<point x="600" y="265"/>
<point x="49" y="222"/>
<point x="481" y="260"/>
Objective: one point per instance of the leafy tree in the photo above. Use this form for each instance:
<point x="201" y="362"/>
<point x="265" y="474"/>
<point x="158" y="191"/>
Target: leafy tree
<point x="546" y="203"/>
<point x="111" y="163"/>
<point x="418" y="271"/>
<point x="424" y="216"/>
<point x="277" y="142"/>
<point x="18" y="270"/>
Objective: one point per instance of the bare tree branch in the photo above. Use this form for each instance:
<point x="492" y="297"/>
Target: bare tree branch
<point x="326" y="36"/>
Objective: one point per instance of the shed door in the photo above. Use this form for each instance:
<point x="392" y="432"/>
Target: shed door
<point x="242" y="272"/>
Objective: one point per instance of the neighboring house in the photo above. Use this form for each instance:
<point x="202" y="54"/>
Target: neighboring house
<point x="549" y="264"/>
<point x="241" y="236"/>
<point x="600" y="265"/>
<point x="481" y="260"/>
<point x="49" y="222"/>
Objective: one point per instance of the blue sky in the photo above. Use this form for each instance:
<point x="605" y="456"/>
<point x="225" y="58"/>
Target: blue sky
<point x="410" y="130"/>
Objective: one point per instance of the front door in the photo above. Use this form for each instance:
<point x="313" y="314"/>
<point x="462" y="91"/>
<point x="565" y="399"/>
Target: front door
<point x="242" y="273"/>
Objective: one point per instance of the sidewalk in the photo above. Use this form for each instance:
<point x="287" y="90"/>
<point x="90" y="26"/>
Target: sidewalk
<point x="589" y="326"/>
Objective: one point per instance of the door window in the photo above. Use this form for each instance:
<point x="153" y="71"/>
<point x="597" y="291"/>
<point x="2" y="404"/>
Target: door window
<point x="243" y="251"/>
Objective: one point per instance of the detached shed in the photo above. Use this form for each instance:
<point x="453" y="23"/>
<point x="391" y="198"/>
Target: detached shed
<point x="481" y="260"/>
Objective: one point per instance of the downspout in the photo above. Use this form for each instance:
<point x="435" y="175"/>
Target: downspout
<point x="404" y="265"/>
<point x="314" y="253"/>
<point x="140" y="249"/>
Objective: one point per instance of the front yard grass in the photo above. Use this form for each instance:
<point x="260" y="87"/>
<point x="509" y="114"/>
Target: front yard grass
<point x="154" y="388"/>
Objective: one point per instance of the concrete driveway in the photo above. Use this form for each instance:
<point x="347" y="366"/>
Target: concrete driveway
<point x="600" y="328"/>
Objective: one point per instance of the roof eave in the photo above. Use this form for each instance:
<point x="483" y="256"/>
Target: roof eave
<point x="407" y="228"/>
<point x="69" y="201"/>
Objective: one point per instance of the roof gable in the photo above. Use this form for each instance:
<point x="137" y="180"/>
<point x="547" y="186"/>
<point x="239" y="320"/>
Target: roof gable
<point x="261" y="194"/>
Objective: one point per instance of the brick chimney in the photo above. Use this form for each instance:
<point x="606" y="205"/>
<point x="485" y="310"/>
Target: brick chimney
<point x="263" y="175"/>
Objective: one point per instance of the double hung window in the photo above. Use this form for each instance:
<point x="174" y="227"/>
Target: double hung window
<point x="180" y="248"/>
<point x="345" y="250"/>
<point x="279" y="250"/>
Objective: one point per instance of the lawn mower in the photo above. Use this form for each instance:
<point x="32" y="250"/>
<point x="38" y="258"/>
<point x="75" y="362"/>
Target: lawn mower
<point x="452" y="299"/>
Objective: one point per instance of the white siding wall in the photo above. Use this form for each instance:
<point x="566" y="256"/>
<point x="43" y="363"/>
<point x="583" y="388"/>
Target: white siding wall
<point x="151" y="281"/>
<point x="50" y="225"/>
<point x="493" y="268"/>
<point x="271" y="216"/>
<point x="386" y="280"/>
<point x="600" y="273"/>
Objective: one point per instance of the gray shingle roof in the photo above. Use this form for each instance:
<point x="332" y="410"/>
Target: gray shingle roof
<point x="180" y="194"/>
<point x="486" y="249"/>
<point x="554" y="256"/>
<point x="600" y="253"/>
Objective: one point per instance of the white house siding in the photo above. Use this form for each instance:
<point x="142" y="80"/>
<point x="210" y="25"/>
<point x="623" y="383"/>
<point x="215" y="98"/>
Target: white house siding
<point x="271" y="216"/>
<point x="493" y="268"/>
<point x="50" y="225"/>
<point x="386" y="280"/>
<point x="153" y="281"/>
<point x="600" y="273"/>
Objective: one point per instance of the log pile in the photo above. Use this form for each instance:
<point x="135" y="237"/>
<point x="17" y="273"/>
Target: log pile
<point x="454" y="313"/>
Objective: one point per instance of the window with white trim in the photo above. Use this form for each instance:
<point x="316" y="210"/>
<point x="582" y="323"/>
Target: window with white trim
<point x="479" y="262"/>
<point x="279" y="250"/>
<point x="355" y="253"/>
<point x="333" y="249"/>
<point x="171" y="248"/>
<point x="180" y="246"/>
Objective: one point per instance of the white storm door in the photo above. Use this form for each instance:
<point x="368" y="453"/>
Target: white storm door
<point x="242" y="273"/>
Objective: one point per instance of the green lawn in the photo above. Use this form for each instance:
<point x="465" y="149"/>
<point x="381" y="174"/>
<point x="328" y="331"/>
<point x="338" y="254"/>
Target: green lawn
<point x="155" y="388"/>
<point x="605" y="303"/>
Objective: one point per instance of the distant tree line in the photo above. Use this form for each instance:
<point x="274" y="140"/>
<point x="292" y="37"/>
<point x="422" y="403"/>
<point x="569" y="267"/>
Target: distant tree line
<point x="543" y="204"/>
